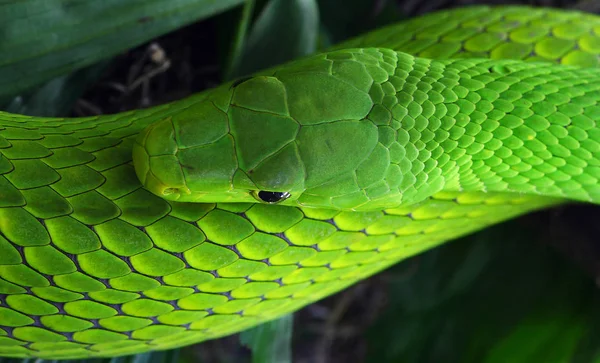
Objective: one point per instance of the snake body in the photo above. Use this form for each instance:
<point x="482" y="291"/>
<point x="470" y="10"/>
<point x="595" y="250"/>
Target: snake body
<point x="116" y="239"/>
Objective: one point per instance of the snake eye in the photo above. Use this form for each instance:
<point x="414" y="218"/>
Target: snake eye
<point x="271" y="197"/>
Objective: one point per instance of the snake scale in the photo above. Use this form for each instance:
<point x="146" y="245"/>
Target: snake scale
<point x="263" y="195"/>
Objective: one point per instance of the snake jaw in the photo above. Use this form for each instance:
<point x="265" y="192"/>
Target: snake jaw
<point x="159" y="173"/>
<point x="154" y="184"/>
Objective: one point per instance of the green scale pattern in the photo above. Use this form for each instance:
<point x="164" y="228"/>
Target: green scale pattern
<point x="390" y="129"/>
<point x="92" y="264"/>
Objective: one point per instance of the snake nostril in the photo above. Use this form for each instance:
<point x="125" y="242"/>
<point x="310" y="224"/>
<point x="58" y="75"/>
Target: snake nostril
<point x="169" y="191"/>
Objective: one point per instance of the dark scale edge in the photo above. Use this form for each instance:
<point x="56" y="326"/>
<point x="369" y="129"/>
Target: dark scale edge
<point x="231" y="248"/>
<point x="227" y="294"/>
<point x="266" y="261"/>
<point x="284" y="237"/>
<point x="37" y="322"/>
<point x="69" y="336"/>
<point x="118" y="308"/>
<point x="60" y="306"/>
<point x="125" y="259"/>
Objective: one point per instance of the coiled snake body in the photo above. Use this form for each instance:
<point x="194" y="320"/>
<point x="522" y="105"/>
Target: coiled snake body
<point x="375" y="154"/>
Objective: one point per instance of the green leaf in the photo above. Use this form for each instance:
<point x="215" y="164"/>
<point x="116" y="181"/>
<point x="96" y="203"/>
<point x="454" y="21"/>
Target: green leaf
<point x="237" y="47"/>
<point x="270" y="342"/>
<point x="494" y="297"/>
<point x="43" y="39"/>
<point x="343" y="19"/>
<point x="56" y="97"/>
<point x="284" y="30"/>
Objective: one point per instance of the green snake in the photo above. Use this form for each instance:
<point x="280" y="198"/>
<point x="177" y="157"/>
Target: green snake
<point x="189" y="221"/>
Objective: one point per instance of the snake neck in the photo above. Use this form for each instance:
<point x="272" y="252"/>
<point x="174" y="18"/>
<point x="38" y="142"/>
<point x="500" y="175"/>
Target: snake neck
<point x="77" y="156"/>
<point x="482" y="125"/>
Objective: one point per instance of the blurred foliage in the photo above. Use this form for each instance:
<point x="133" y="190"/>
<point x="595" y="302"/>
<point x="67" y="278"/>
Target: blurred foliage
<point x="270" y="342"/>
<point x="56" y="97"/>
<point x="296" y="23"/>
<point x="42" y="39"/>
<point x="342" y="19"/>
<point x="501" y="295"/>
<point x="498" y="296"/>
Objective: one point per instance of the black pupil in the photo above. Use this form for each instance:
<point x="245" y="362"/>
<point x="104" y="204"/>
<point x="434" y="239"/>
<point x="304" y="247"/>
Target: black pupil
<point x="272" y="197"/>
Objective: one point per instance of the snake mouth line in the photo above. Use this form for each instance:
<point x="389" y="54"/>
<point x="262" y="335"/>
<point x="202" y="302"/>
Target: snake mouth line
<point x="172" y="193"/>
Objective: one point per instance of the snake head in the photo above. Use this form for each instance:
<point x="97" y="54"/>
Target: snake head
<point x="225" y="147"/>
<point x="306" y="134"/>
